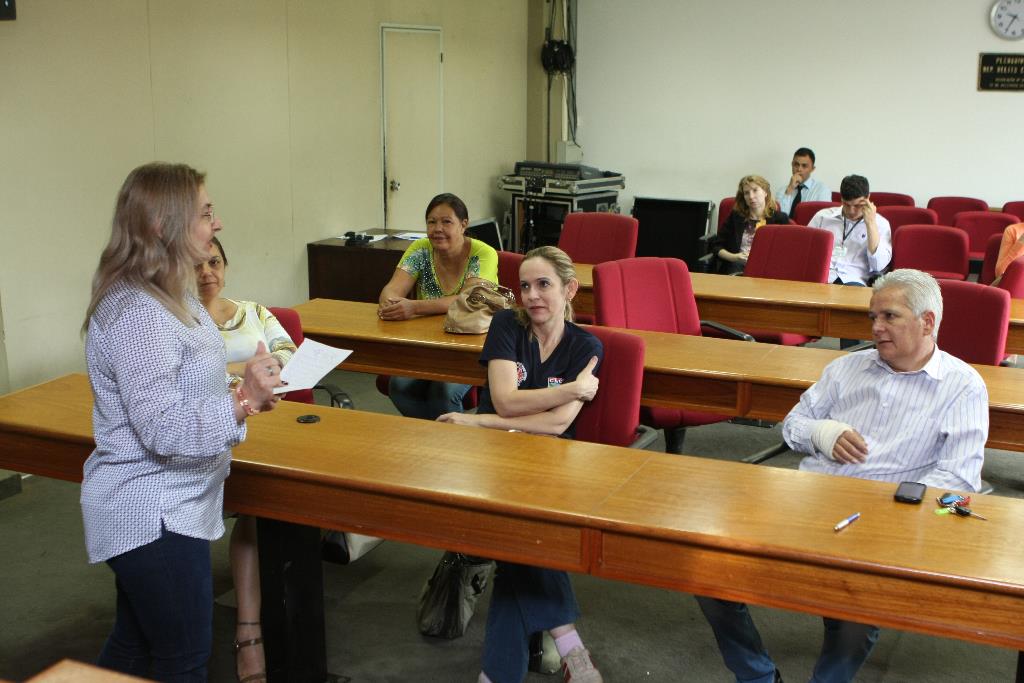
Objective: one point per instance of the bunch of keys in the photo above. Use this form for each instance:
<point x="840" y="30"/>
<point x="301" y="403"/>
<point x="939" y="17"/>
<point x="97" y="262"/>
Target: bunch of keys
<point x="956" y="504"/>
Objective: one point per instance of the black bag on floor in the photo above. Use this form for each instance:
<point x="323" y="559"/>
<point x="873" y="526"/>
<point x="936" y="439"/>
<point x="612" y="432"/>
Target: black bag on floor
<point x="449" y="597"/>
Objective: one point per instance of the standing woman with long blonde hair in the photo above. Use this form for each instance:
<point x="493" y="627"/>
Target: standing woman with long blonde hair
<point x="164" y="423"/>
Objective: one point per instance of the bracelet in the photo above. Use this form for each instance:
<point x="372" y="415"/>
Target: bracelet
<point x="244" y="402"/>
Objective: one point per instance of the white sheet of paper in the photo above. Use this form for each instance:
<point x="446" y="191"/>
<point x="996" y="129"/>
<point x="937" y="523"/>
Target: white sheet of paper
<point x="308" y="366"/>
<point x="411" y="235"/>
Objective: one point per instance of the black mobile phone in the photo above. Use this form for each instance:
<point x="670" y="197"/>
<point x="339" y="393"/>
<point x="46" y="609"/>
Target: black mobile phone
<point x="910" y="492"/>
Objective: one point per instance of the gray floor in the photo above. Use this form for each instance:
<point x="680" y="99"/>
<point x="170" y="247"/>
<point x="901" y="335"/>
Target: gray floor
<point x="55" y="605"/>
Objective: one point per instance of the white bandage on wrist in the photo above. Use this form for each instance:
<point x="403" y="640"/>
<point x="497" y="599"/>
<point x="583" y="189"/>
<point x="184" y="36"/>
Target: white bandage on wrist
<point x="826" y="433"/>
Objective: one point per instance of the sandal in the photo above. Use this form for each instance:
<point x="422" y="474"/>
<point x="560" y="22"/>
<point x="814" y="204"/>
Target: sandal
<point x="252" y="642"/>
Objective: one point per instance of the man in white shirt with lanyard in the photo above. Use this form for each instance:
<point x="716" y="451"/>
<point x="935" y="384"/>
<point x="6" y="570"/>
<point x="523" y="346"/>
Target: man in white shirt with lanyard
<point x="862" y="244"/>
<point x="904" y="411"/>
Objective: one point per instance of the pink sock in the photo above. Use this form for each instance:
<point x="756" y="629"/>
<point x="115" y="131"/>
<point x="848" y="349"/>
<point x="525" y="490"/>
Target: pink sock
<point x="567" y="643"/>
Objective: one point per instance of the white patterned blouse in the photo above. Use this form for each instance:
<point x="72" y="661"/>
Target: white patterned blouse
<point x="163" y="422"/>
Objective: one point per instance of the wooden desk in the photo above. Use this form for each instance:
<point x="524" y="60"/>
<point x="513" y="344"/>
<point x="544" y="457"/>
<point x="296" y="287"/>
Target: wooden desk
<point x="608" y="511"/>
<point x="70" y="671"/>
<point x="359" y="273"/>
<point x="819" y="310"/>
<point x="719" y="375"/>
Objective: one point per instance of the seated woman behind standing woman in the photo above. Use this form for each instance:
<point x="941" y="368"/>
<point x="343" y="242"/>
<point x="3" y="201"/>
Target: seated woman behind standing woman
<point x="243" y="325"/>
<point x="540" y="371"/>
<point x="439" y="266"/>
<point x="755" y="206"/>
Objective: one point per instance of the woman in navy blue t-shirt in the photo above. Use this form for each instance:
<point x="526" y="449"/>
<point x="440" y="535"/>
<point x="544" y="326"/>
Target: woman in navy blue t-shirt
<point x="540" y="371"/>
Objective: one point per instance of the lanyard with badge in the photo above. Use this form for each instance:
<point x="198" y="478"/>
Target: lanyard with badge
<point x="839" y="250"/>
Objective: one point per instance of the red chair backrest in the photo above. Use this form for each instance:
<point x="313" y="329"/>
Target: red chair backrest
<point x="975" y="319"/>
<point x="508" y="271"/>
<point x="1015" y="209"/>
<point x="880" y="199"/>
<point x="790" y="252"/>
<point x="805" y="211"/>
<point x="936" y="249"/>
<point x="904" y="215"/>
<point x="949" y="207"/>
<point x="724" y="209"/>
<point x="598" y="237"/>
<point x="837" y="197"/>
<point x="614" y="413"/>
<point x="646" y="293"/>
<point x="988" y="264"/>
<point x="1013" y="279"/>
<point x="980" y="224"/>
<point x="291" y="323"/>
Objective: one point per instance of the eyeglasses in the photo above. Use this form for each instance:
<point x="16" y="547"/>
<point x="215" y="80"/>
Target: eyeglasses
<point x="209" y="215"/>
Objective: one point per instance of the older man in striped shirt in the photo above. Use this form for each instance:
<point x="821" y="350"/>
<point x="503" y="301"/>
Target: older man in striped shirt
<point x="904" y="411"/>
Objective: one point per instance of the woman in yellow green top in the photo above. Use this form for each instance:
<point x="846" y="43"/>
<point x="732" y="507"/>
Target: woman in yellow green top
<point x="439" y="267"/>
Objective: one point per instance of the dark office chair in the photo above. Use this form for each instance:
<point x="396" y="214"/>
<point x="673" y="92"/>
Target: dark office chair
<point x="948" y="207"/>
<point x="805" y="211"/>
<point x="292" y="324"/>
<point x="788" y="252"/>
<point x="979" y="226"/>
<point x="938" y="250"/>
<point x="596" y="237"/>
<point x="656" y="294"/>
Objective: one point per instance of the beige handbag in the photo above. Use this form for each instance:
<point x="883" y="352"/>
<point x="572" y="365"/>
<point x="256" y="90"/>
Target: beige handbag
<point x="472" y="310"/>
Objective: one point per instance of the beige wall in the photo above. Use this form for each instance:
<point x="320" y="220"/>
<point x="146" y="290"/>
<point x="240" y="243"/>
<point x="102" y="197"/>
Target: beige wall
<point x="278" y="100"/>
<point x="685" y="98"/>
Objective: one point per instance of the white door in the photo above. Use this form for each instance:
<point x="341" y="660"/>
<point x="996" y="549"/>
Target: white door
<point x="413" y="120"/>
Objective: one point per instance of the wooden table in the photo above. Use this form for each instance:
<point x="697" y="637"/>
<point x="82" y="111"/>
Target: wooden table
<point x="817" y="310"/>
<point x="611" y="512"/>
<point x="719" y="375"/>
<point x="70" y="671"/>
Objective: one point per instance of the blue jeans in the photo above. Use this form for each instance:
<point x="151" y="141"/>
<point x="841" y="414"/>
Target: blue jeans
<point x="845" y="647"/>
<point x="164" y="623"/>
<point x="424" y="398"/>
<point x="524" y="600"/>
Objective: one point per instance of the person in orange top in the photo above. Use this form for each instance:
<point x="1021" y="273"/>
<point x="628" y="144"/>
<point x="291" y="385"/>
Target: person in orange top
<point x="1010" y="249"/>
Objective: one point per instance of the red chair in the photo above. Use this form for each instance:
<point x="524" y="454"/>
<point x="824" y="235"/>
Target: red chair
<point x="598" y="237"/>
<point x="904" y="215"/>
<point x="724" y="209"/>
<point x="880" y="199"/>
<point x="805" y="211"/>
<point x="988" y="263"/>
<point x="975" y="321"/>
<point x="1016" y="209"/>
<point x="938" y="250"/>
<point x="837" y="197"/>
<point x="788" y="252"/>
<point x="292" y="324"/>
<point x="612" y="418"/>
<point x="656" y="294"/>
<point x="979" y="225"/>
<point x="508" y="271"/>
<point x="948" y="207"/>
<point x="1013" y="279"/>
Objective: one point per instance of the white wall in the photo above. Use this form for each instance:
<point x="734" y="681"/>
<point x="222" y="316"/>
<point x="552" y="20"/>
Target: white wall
<point x="687" y="97"/>
<point x="277" y="100"/>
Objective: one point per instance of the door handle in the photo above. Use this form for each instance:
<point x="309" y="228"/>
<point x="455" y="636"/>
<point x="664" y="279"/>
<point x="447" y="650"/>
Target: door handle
<point x="394" y="185"/>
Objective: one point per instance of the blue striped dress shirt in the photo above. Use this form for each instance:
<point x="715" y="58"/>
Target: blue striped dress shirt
<point x="928" y="426"/>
